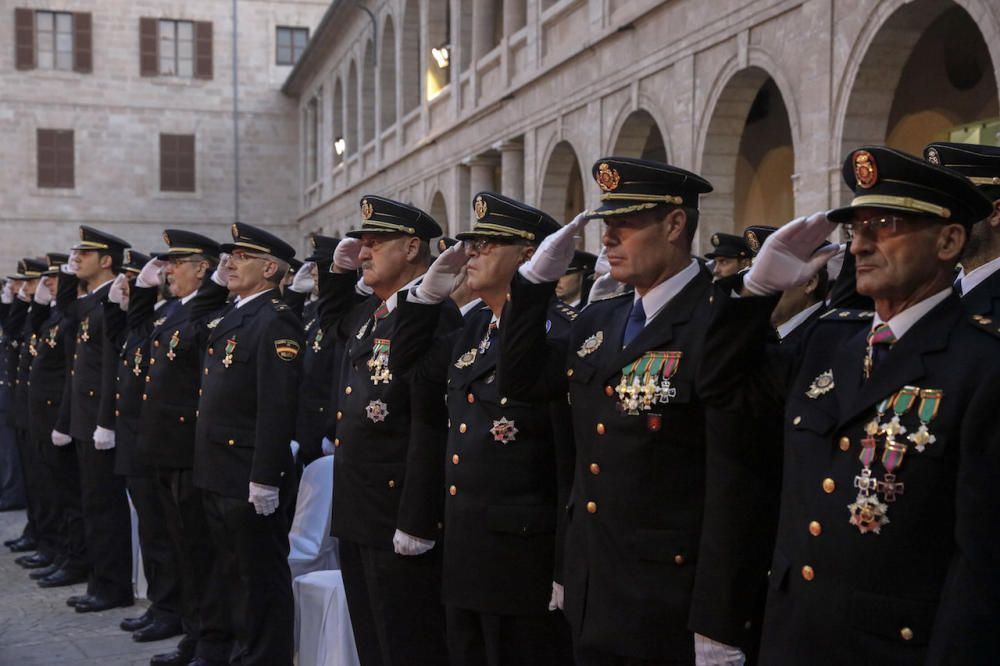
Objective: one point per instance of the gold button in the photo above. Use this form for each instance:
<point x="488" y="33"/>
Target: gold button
<point x="906" y="634"/>
<point x="90" y="393"/>
<point x="211" y="351"/>
<point x="503" y="401"/>
<point x="118" y="396"/>
<point x="797" y="420"/>
<point x="845" y="443"/>
<point x="145" y="397"/>
<point x="125" y="363"/>
<point x="196" y="412"/>
<point x="117" y="413"/>
<point x="347" y="391"/>
<point x="336" y="441"/>
<point x="322" y="409"/>
<point x="815" y="528"/>
<point x="232" y="442"/>
<point x="595" y="469"/>
<point x="156" y="343"/>
<point x="569" y="373"/>
<point x="609" y="391"/>
<point x="206" y="371"/>
<point x="181" y="419"/>
<point x="591" y="507"/>
<point x="453" y="490"/>
<point x="829" y="486"/>
<point x="600" y="428"/>
<point x="454" y="459"/>
<point x="808" y="573"/>
<point x="340" y="414"/>
<point x="200" y="392"/>
<point x="148" y="379"/>
<point x="471" y="398"/>
<point x="678" y="559"/>
<point x="463" y="427"/>
<point x="392" y="483"/>
<point x="48" y="402"/>
<point x="152" y="361"/>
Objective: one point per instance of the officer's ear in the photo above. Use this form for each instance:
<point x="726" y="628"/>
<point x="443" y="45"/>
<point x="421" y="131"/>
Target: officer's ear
<point x="105" y="261"/>
<point x="412" y="248"/>
<point x="950" y="242"/>
<point x="270" y="268"/>
<point x="994" y="219"/>
<point x="202" y="269"/>
<point x="527" y="252"/>
<point x="675" y="223"/>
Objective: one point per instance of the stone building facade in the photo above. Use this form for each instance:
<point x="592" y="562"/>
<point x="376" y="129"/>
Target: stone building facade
<point x="763" y="97"/>
<point x="111" y="77"/>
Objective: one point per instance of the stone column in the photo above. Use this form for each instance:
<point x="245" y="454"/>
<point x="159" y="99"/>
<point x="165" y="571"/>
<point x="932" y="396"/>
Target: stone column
<point x="481" y="172"/>
<point x="483" y="23"/>
<point x="515" y="15"/>
<point x="511" y="168"/>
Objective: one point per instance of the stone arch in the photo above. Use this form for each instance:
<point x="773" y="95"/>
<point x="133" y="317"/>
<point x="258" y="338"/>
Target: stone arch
<point x="353" y="111"/>
<point x="916" y="70"/>
<point x="639" y="135"/>
<point x="439" y="211"/>
<point x="368" y="94"/>
<point x="562" y="195"/>
<point x="410" y="56"/>
<point x="387" y="75"/>
<point x="338" y="118"/>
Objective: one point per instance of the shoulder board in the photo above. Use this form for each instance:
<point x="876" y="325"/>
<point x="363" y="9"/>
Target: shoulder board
<point x="279" y="305"/>
<point x="566" y="311"/>
<point x="844" y="314"/>
<point x="611" y="297"/>
<point x="987" y="324"/>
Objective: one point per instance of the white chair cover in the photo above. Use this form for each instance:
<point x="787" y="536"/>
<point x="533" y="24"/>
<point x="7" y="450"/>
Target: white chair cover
<point x="310" y="546"/>
<point x="323" y="633"/>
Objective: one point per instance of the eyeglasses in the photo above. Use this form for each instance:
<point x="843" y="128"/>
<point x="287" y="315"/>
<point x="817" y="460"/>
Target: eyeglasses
<point x="174" y="261"/>
<point x="486" y="245"/>
<point x="243" y="257"/>
<point x="880" y="226"/>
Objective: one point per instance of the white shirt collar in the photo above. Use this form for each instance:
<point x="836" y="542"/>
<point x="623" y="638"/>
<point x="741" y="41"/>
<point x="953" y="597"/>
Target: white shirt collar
<point x="657" y="298"/>
<point x="184" y="301"/>
<point x="390" y="303"/>
<point x="102" y="285"/>
<point x="905" y="320"/>
<point x="576" y="303"/>
<point x="468" y="307"/>
<point x="240" y="302"/>
<point x="796" y="320"/>
<point x="973" y="278"/>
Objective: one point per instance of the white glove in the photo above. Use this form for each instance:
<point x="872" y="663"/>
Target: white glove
<point x="42" y="295"/>
<point x="264" y="498"/>
<point x="556" y="602"/>
<point x="151" y="274"/>
<point x="104" y="439"/>
<point x="303" y="281"/>
<point x="345" y="257"/>
<point x="362" y="289"/>
<point x="602" y="266"/>
<point x="220" y="275"/>
<point x="440" y="279"/>
<point x="67" y="268"/>
<point x="786" y="258"/>
<point x="713" y="653"/>
<point x="554" y="254"/>
<point x="60" y="439"/>
<point x="7" y="296"/>
<point x="22" y="293"/>
<point x="327" y="447"/>
<point x="295" y="449"/>
<point x="405" y="544"/>
<point x="119" y="291"/>
<point x="836" y="263"/>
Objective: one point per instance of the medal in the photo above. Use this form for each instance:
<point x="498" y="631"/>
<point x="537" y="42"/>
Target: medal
<point x="53" y="335"/>
<point x="379" y="362"/>
<point x="822" y="384"/>
<point x="174" y="341"/>
<point x="137" y="360"/>
<point x="646" y="381"/>
<point x="214" y="322"/>
<point x="591" y="344"/>
<point x="159" y="322"/>
<point x="504" y="431"/>
<point x="930" y="400"/>
<point x="868" y="514"/>
<point x="466" y="359"/>
<point x="484" y="344"/>
<point x="85" y="329"/>
<point x="227" y="360"/>
<point x="31" y="345"/>
<point x="377" y="411"/>
<point x="317" y="340"/>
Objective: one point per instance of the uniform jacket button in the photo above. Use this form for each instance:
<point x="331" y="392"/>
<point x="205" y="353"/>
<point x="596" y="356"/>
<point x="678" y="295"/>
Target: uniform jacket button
<point x="609" y="391"/>
<point x="392" y="483"/>
<point x="815" y="528"/>
<point x="336" y="442"/>
<point x="845" y="443"/>
<point x="678" y="559"/>
<point x="462" y="427"/>
<point x="797" y="420"/>
<point x="591" y="507"/>
<point x="347" y="391"/>
<point x="906" y="634"/>
<point x="453" y="491"/>
<point x="232" y="442"/>
<point x="808" y="573"/>
<point x="829" y="485"/>
<point x="340" y="415"/>
<point x="454" y="459"/>
<point x="181" y="419"/>
<point x="600" y="428"/>
<point x="595" y="469"/>
<point x="471" y="398"/>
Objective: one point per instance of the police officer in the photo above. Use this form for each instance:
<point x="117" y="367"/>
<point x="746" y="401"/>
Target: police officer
<point x="177" y="334"/>
<point x="574" y="287"/>
<point x="979" y="280"/>
<point x="385" y="512"/>
<point x="246" y="418"/>
<point x="89" y="413"/>
<point x="886" y="548"/>
<point x="730" y="255"/>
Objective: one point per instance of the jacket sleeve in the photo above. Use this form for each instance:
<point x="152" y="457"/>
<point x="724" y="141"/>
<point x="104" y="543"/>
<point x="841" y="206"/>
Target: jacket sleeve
<point x="530" y="366"/>
<point x="114" y="337"/>
<point x="295" y="300"/>
<point x="68" y="325"/>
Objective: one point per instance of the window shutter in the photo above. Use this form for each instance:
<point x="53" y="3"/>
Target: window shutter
<point x="203" y="49"/>
<point x="24" y="30"/>
<point x="148" y="47"/>
<point x="82" y="43"/>
<point x="65" y="172"/>
<point x="177" y="163"/>
<point x="55" y="158"/>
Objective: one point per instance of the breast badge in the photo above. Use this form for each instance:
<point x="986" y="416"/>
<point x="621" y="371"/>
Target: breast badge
<point x="376" y="411"/>
<point x="591" y="344"/>
<point x="822" y="384"/>
<point x="504" y="431"/>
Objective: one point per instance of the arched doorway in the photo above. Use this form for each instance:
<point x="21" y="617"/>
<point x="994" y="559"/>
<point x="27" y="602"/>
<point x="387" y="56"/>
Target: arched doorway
<point x="439" y="211"/>
<point x="562" y="185"/>
<point x="351" y="124"/>
<point x="387" y="75"/>
<point x="411" y="54"/>
<point x="640" y="137"/>
<point x="368" y="95"/>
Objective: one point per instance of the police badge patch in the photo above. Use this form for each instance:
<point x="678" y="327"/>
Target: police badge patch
<point x="286" y="350"/>
<point x="822" y="384"/>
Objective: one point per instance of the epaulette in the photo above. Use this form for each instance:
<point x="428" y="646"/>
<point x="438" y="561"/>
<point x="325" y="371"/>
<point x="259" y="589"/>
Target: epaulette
<point x="279" y="305"/>
<point x="845" y="314"/>
<point x="566" y="311"/>
<point x="985" y="323"/>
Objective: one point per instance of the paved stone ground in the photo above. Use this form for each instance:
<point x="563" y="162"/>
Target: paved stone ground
<point x="37" y="628"/>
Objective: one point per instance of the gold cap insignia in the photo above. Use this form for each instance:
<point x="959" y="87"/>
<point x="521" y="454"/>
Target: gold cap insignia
<point x="933" y="157"/>
<point x="480" y="208"/>
<point x="752" y="241"/>
<point x="235" y="231"/>
<point x="166" y="238"/>
<point x="607" y="177"/>
<point x="366" y="209"/>
<point x="715" y="240"/>
<point x="865" y="171"/>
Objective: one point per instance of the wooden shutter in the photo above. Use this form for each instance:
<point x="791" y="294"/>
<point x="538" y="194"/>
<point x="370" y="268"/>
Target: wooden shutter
<point x="149" y="56"/>
<point x="24" y="31"/>
<point x="82" y="43"/>
<point x="203" y="49"/>
<point x="177" y="163"/>
<point x="55" y="157"/>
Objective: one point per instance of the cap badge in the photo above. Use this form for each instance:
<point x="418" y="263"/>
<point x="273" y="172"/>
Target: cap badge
<point x="715" y="240"/>
<point x="480" y="208"/>
<point x="607" y="177"/>
<point x="933" y="157"/>
<point x="865" y="171"/>
<point x="752" y="241"/>
<point x="166" y="238"/>
<point x="366" y="209"/>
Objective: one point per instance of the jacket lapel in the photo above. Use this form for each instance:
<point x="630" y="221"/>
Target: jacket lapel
<point x="486" y="362"/>
<point x="234" y="318"/>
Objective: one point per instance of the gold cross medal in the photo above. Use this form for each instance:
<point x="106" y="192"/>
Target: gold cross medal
<point x="379" y="362"/>
<point x="318" y="340"/>
<point x="227" y="360"/>
<point x="822" y="384"/>
<point x="930" y="401"/>
<point x="85" y="329"/>
<point x="137" y="360"/>
<point x="31" y="345"/>
<point x="175" y="340"/>
<point x="53" y="337"/>
<point x="591" y="344"/>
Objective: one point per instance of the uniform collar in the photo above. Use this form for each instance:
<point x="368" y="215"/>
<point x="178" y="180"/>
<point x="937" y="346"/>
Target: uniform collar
<point x="390" y="303"/>
<point x="184" y="301"/>
<point x="657" y="298"/>
<point x="905" y="320"/>
<point x="796" y="320"/>
<point x="973" y="278"/>
<point x="240" y="302"/>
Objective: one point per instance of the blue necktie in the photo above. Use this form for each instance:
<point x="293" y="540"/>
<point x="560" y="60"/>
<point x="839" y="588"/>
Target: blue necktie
<point x="636" y="322"/>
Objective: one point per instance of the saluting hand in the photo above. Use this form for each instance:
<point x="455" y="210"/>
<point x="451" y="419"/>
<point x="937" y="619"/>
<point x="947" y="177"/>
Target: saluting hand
<point x="151" y="274"/>
<point x="789" y="258"/>
<point x="303" y="281"/>
<point x="439" y="280"/>
<point x="119" y="291"/>
<point x="346" y="256"/>
<point x="555" y="252"/>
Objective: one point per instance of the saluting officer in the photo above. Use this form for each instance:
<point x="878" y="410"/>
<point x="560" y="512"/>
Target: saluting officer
<point x="979" y="281"/>
<point x="385" y="513"/>
<point x="167" y="431"/>
<point x="886" y="549"/>
<point x="730" y="255"/>
<point x="246" y="418"/>
<point x="96" y="259"/>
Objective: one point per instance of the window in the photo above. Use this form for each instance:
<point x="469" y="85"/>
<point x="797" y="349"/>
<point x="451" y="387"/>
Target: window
<point x="55" y="158"/>
<point x="291" y="44"/>
<point x="52" y="40"/>
<point x="313" y="120"/>
<point x="177" y="163"/>
<point x="170" y="47"/>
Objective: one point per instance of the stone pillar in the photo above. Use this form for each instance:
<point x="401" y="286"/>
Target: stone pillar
<point x="515" y="15"/>
<point x="483" y="24"/>
<point x="481" y="172"/>
<point x="511" y="168"/>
